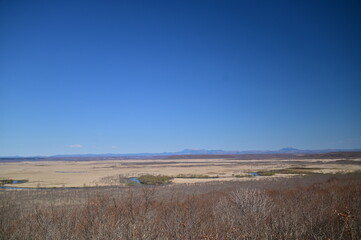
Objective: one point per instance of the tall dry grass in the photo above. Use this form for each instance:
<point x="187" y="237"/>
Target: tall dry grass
<point x="302" y="208"/>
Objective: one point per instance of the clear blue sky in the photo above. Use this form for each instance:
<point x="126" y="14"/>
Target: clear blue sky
<point x="152" y="76"/>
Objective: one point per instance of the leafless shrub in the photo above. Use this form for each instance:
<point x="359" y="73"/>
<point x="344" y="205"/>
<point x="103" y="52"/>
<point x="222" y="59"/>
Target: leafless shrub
<point x="313" y="207"/>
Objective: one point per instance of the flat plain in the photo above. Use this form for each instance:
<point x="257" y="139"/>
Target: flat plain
<point x="75" y="172"/>
<point x="313" y="196"/>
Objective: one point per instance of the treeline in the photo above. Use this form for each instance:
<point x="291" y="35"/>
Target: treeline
<point x="307" y="208"/>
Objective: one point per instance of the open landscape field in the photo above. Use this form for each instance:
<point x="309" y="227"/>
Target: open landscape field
<point x="49" y="173"/>
<point x="313" y="196"/>
<point x="312" y="206"/>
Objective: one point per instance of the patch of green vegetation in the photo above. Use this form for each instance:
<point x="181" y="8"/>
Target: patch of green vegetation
<point x="5" y="181"/>
<point x="305" y="168"/>
<point x="195" y="176"/>
<point x="241" y="175"/>
<point x="155" y="179"/>
<point x="295" y="170"/>
<point x="266" y="173"/>
<point x="12" y="181"/>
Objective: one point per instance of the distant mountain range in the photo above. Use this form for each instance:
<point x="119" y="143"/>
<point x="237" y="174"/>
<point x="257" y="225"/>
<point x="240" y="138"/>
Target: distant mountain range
<point x="287" y="150"/>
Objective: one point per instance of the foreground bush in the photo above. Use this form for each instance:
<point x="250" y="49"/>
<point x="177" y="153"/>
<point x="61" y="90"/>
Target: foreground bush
<point x="324" y="210"/>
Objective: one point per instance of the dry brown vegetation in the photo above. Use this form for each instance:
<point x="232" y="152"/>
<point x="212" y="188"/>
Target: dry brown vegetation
<point x="59" y="173"/>
<point x="309" y="207"/>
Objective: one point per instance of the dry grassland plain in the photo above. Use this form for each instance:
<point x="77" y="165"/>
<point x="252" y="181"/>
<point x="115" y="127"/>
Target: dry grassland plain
<point x="73" y="173"/>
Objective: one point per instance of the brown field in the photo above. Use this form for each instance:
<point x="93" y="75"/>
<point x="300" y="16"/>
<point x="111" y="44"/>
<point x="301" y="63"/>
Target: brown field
<point x="312" y="206"/>
<point x="317" y="200"/>
<point x="96" y="172"/>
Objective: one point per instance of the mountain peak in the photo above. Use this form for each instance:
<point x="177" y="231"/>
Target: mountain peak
<point x="289" y="149"/>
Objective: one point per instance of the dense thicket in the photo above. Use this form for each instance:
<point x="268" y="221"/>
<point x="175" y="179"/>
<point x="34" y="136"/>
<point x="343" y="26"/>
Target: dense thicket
<point x="313" y="207"/>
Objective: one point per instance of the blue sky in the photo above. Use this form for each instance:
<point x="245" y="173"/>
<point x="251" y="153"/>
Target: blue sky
<point x="154" y="76"/>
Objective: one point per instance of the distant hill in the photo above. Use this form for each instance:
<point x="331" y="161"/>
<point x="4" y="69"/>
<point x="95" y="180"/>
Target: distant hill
<point x="280" y="151"/>
<point x="286" y="150"/>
